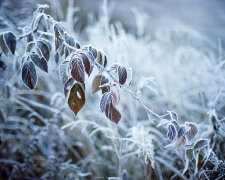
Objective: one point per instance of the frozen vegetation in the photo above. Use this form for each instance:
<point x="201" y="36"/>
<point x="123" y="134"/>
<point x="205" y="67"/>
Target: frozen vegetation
<point x="102" y="102"/>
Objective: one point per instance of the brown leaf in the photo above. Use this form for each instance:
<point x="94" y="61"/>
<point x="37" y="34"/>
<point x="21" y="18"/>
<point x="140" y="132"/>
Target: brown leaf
<point x="122" y="73"/>
<point x="76" y="99"/>
<point x="96" y="83"/>
<point x="193" y="130"/>
<point x="108" y="107"/>
<point x="200" y="161"/>
<point x="87" y="64"/>
<point x="77" y="69"/>
<point x="29" y="47"/>
<point x="112" y="113"/>
<point x="58" y="36"/>
<point x="3" y="45"/>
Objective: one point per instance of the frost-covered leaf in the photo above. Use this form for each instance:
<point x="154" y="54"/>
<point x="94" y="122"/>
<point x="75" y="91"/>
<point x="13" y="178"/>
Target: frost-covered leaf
<point x="29" y="46"/>
<point x="68" y="85"/>
<point x="63" y="71"/>
<point x="171" y="133"/>
<point x="56" y="57"/>
<point x="96" y="83"/>
<point x="179" y="143"/>
<point x="3" y="45"/>
<point x="183" y="130"/>
<point x="93" y="51"/>
<point x="48" y="43"/>
<point x="39" y="62"/>
<point x="199" y="161"/>
<point x="193" y="130"/>
<point x="173" y="115"/>
<point x="70" y="40"/>
<point x="76" y="99"/>
<point x="29" y="75"/>
<point x="58" y="36"/>
<point x="201" y="144"/>
<point x="77" y="69"/>
<point x="105" y="80"/>
<point x="36" y="21"/>
<point x="176" y="125"/>
<point x="101" y="59"/>
<point x="10" y="41"/>
<point x="44" y="49"/>
<point x="122" y="73"/>
<point x="109" y="108"/>
<point x="189" y="154"/>
<point x="87" y="64"/>
<point x="89" y="55"/>
<point x="112" y="113"/>
<point x="106" y="99"/>
<point x="186" y="166"/>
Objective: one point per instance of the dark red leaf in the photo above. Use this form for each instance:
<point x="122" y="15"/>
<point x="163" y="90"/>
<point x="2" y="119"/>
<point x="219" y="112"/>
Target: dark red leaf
<point x="39" y="62"/>
<point x="29" y="75"/>
<point x="77" y="69"/>
<point x="122" y="73"/>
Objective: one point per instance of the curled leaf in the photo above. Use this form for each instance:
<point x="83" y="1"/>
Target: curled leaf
<point x="76" y="99"/>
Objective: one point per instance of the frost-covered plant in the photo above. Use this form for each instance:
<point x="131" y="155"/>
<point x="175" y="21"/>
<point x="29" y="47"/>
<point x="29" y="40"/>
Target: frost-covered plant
<point x="46" y="38"/>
